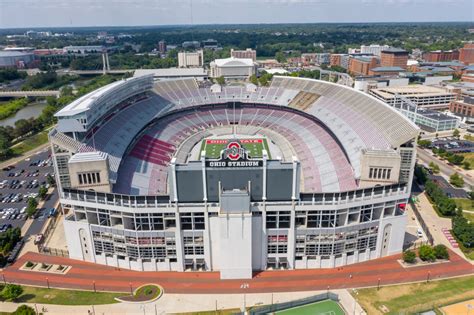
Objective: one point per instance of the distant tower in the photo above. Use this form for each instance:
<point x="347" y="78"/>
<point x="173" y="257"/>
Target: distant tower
<point x="162" y="46"/>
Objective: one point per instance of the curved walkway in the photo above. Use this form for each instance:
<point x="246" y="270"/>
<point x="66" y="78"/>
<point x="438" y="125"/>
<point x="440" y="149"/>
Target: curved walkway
<point x="83" y="274"/>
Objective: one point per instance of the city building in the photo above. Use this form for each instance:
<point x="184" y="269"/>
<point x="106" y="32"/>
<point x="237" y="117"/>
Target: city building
<point x="162" y="46"/>
<point x="466" y="54"/>
<point x="246" y="54"/>
<point x="16" y="59"/>
<point x="188" y="59"/>
<point x="394" y="71"/>
<point x="375" y="50"/>
<point x="174" y="176"/>
<point x="394" y="57"/>
<point x="463" y="108"/>
<point x="210" y="44"/>
<point x="366" y="83"/>
<point x="422" y="95"/>
<point x="83" y="50"/>
<point x="232" y="68"/>
<point x="48" y="52"/>
<point x="362" y="65"/>
<point x="335" y="59"/>
<point x="191" y="44"/>
<point x="441" y="55"/>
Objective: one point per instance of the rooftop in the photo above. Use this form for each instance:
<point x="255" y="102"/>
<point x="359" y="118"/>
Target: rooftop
<point x="88" y="157"/>
<point x="387" y="69"/>
<point x="233" y="62"/>
<point x="411" y="91"/>
<point x="171" y="72"/>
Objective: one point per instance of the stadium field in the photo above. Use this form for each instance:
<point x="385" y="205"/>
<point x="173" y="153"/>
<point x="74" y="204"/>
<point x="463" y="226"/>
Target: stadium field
<point x="213" y="147"/>
<point x="327" y="307"/>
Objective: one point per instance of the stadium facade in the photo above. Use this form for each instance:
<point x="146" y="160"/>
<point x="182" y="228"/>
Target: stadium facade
<point x="179" y="175"/>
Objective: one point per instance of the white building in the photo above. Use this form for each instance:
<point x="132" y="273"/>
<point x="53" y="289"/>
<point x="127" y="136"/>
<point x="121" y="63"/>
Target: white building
<point x="248" y="53"/>
<point x="422" y="95"/>
<point x="190" y="59"/>
<point x="233" y="68"/>
<point x="376" y="50"/>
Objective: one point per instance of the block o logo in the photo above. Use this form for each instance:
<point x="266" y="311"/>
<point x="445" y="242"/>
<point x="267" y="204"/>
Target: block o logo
<point x="234" y="151"/>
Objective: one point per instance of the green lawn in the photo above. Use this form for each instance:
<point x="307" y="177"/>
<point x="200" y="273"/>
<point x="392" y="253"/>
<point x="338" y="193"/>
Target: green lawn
<point x="464" y="203"/>
<point x="65" y="297"/>
<point x="30" y="143"/>
<point x="327" y="307"/>
<point x="470" y="158"/>
<point x="255" y="149"/>
<point x="412" y="298"/>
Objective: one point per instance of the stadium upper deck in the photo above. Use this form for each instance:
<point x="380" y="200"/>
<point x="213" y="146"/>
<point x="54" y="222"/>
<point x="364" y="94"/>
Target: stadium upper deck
<point x="325" y="125"/>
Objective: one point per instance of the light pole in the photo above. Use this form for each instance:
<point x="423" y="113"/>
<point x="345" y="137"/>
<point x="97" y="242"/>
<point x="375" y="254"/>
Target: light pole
<point x="428" y="277"/>
<point x="4" y="281"/>
<point x="93" y="283"/>
<point x="378" y="284"/>
<point x="131" y="291"/>
<point x="47" y="282"/>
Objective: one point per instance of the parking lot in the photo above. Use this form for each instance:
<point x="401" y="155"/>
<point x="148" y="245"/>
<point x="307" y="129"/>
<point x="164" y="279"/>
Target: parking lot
<point x="453" y="145"/>
<point x="20" y="181"/>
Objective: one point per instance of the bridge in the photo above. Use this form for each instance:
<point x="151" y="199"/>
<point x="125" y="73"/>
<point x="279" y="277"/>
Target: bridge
<point x="91" y="72"/>
<point x="29" y="93"/>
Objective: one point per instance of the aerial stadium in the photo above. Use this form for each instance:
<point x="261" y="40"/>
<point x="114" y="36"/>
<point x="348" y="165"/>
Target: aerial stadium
<point x="177" y="175"/>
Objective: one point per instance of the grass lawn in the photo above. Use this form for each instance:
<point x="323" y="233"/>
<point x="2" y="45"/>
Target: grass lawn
<point x="30" y="143"/>
<point x="327" y="307"/>
<point x="213" y="150"/>
<point x="412" y="298"/>
<point x="464" y="203"/>
<point x="470" y="158"/>
<point x="65" y="297"/>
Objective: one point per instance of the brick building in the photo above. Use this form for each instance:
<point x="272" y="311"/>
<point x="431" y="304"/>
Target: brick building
<point x="245" y="54"/>
<point x="362" y="65"/>
<point x="440" y="55"/>
<point x="394" y="57"/>
<point x="466" y="54"/>
<point x="463" y="108"/>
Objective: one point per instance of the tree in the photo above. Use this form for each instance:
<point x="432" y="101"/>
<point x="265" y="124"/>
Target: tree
<point x="24" y="310"/>
<point x="280" y="57"/>
<point x="424" y="143"/>
<point x="441" y="252"/>
<point x="466" y="165"/>
<point x="456" y="180"/>
<point x="31" y="208"/>
<point x="220" y="80"/>
<point x="42" y="191"/>
<point x="50" y="180"/>
<point x="456" y="133"/>
<point x="409" y="256"/>
<point x="420" y="174"/>
<point x="426" y="253"/>
<point x="11" y="291"/>
<point x="253" y="79"/>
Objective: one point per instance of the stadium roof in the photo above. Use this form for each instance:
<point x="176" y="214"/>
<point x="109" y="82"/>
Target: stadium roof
<point x="233" y="62"/>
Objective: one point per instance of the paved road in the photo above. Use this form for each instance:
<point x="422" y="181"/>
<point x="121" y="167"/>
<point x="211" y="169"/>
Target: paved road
<point x="84" y="275"/>
<point x="444" y="168"/>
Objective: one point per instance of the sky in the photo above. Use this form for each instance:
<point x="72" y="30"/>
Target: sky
<point x="75" y="13"/>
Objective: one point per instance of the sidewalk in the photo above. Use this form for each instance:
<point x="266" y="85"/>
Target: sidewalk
<point x="436" y="225"/>
<point x="180" y="303"/>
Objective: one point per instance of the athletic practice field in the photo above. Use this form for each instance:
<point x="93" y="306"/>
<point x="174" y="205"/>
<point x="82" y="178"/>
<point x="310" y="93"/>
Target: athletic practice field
<point x="327" y="307"/>
<point x="213" y="147"/>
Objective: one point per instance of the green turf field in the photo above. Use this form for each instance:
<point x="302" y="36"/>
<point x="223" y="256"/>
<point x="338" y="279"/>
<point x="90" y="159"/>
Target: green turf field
<point x="254" y="147"/>
<point x="327" y="307"/>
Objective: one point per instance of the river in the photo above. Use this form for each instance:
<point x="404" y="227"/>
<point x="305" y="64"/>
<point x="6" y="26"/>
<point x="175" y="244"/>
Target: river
<point x="32" y="110"/>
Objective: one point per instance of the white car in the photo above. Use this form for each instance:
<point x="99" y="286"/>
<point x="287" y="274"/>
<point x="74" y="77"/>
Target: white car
<point x="419" y="232"/>
<point x="23" y="210"/>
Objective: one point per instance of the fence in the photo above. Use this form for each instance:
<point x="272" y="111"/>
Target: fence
<point x="422" y="222"/>
<point x="266" y="309"/>
<point x="54" y="251"/>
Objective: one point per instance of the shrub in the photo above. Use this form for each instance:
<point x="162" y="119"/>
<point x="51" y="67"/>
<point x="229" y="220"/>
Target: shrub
<point x="426" y="253"/>
<point x="456" y="180"/>
<point x="11" y="291"/>
<point x="441" y="252"/>
<point x="409" y="256"/>
<point x="29" y="264"/>
<point x="24" y="310"/>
